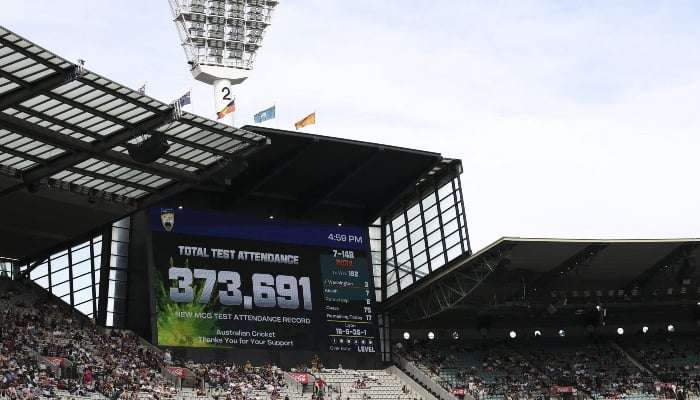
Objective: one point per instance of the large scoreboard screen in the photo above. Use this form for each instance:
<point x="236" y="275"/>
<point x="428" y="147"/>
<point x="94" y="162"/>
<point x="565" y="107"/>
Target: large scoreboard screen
<point x="227" y="281"/>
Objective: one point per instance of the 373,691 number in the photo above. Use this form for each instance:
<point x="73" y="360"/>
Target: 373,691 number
<point x="269" y="291"/>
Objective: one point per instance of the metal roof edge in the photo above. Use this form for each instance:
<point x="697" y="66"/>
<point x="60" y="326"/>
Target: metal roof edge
<point x="311" y="136"/>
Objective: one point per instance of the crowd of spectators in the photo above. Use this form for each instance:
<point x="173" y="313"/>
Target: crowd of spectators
<point x="675" y="360"/>
<point x="535" y="369"/>
<point x="46" y="351"/>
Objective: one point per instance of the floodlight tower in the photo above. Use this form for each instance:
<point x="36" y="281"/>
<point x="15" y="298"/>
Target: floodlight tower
<point x="221" y="39"/>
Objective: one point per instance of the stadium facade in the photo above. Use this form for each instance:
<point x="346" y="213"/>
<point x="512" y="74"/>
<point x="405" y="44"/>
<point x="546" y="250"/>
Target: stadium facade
<point x="270" y="245"/>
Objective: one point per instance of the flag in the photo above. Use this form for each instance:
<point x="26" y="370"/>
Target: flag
<point x="142" y="90"/>
<point x="308" y="120"/>
<point x="185" y="99"/>
<point x="230" y="107"/>
<point x="264" y="115"/>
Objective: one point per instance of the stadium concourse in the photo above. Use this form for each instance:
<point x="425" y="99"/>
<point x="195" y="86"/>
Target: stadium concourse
<point x="93" y="304"/>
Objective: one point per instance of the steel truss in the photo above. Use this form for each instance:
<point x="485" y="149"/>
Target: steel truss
<point x="453" y="289"/>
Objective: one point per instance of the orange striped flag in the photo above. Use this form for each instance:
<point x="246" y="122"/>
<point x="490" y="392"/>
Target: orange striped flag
<point x="230" y="107"/>
<point x="308" y="120"/>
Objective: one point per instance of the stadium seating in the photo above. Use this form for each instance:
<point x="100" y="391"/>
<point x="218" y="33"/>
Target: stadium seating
<point x="593" y="368"/>
<point x="48" y="351"/>
<point x="365" y="385"/>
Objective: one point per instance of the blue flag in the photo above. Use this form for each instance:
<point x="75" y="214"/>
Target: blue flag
<point x="185" y="99"/>
<point x="264" y="115"/>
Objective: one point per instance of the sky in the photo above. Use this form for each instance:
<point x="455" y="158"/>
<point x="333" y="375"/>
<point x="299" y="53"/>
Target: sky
<point x="572" y="119"/>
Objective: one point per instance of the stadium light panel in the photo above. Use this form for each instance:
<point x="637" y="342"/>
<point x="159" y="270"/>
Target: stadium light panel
<point x="538" y="333"/>
<point x="620" y="331"/>
<point x="512" y="334"/>
<point x="431" y="335"/>
<point x="221" y="39"/>
<point x="671" y="328"/>
<point x="455" y="335"/>
<point x="406" y="335"/>
<point x="645" y="329"/>
<point x="562" y="332"/>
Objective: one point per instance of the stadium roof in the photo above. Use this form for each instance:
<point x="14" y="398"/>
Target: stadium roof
<point x="314" y="175"/>
<point x="64" y="165"/>
<point x="559" y="273"/>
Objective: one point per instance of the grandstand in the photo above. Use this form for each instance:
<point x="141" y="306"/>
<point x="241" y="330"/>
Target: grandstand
<point x="99" y="252"/>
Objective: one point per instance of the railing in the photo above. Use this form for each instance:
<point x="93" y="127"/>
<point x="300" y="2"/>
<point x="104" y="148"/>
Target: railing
<point x="421" y="377"/>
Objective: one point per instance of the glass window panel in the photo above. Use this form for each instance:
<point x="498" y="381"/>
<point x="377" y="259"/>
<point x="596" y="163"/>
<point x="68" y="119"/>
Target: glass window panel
<point x="428" y="201"/>
<point x="413" y="212"/>
<point x="391" y="290"/>
<point x="450" y="214"/>
<point x="399" y="233"/>
<point x="434" y="237"/>
<point x="120" y="234"/>
<point x="59" y="262"/>
<point x="422" y="270"/>
<point x="416" y="237"/>
<point x="61" y="290"/>
<point x="97" y="248"/>
<point x="406" y="281"/>
<point x="59" y="254"/>
<point x="398" y="222"/>
<point x="377" y="282"/>
<point x="110" y="319"/>
<point x="432" y="225"/>
<point x="436" y="249"/>
<point x="437" y="261"/>
<point x="447" y="202"/>
<point x="80" y="246"/>
<point x="430" y="213"/>
<point x="378" y="296"/>
<point x="123" y="223"/>
<point x="83" y="295"/>
<point x="376" y="260"/>
<point x="420" y="258"/>
<point x="119" y="262"/>
<point x="80" y="255"/>
<point x="111" y="287"/>
<point x="38" y="272"/>
<point x="401" y="245"/>
<point x="43" y="282"/>
<point x="66" y="299"/>
<point x="59" y="276"/>
<point x="120" y="248"/>
<point x="403" y="258"/>
<point x="415" y="224"/>
<point x="85" y="308"/>
<point x="452" y="239"/>
<point x="110" y="305"/>
<point x="445" y="190"/>
<point x="82" y="268"/>
<point x="391" y="276"/>
<point x="454" y="252"/>
<point x="454" y="231"/>
<point x="418" y="246"/>
<point x="82" y="281"/>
